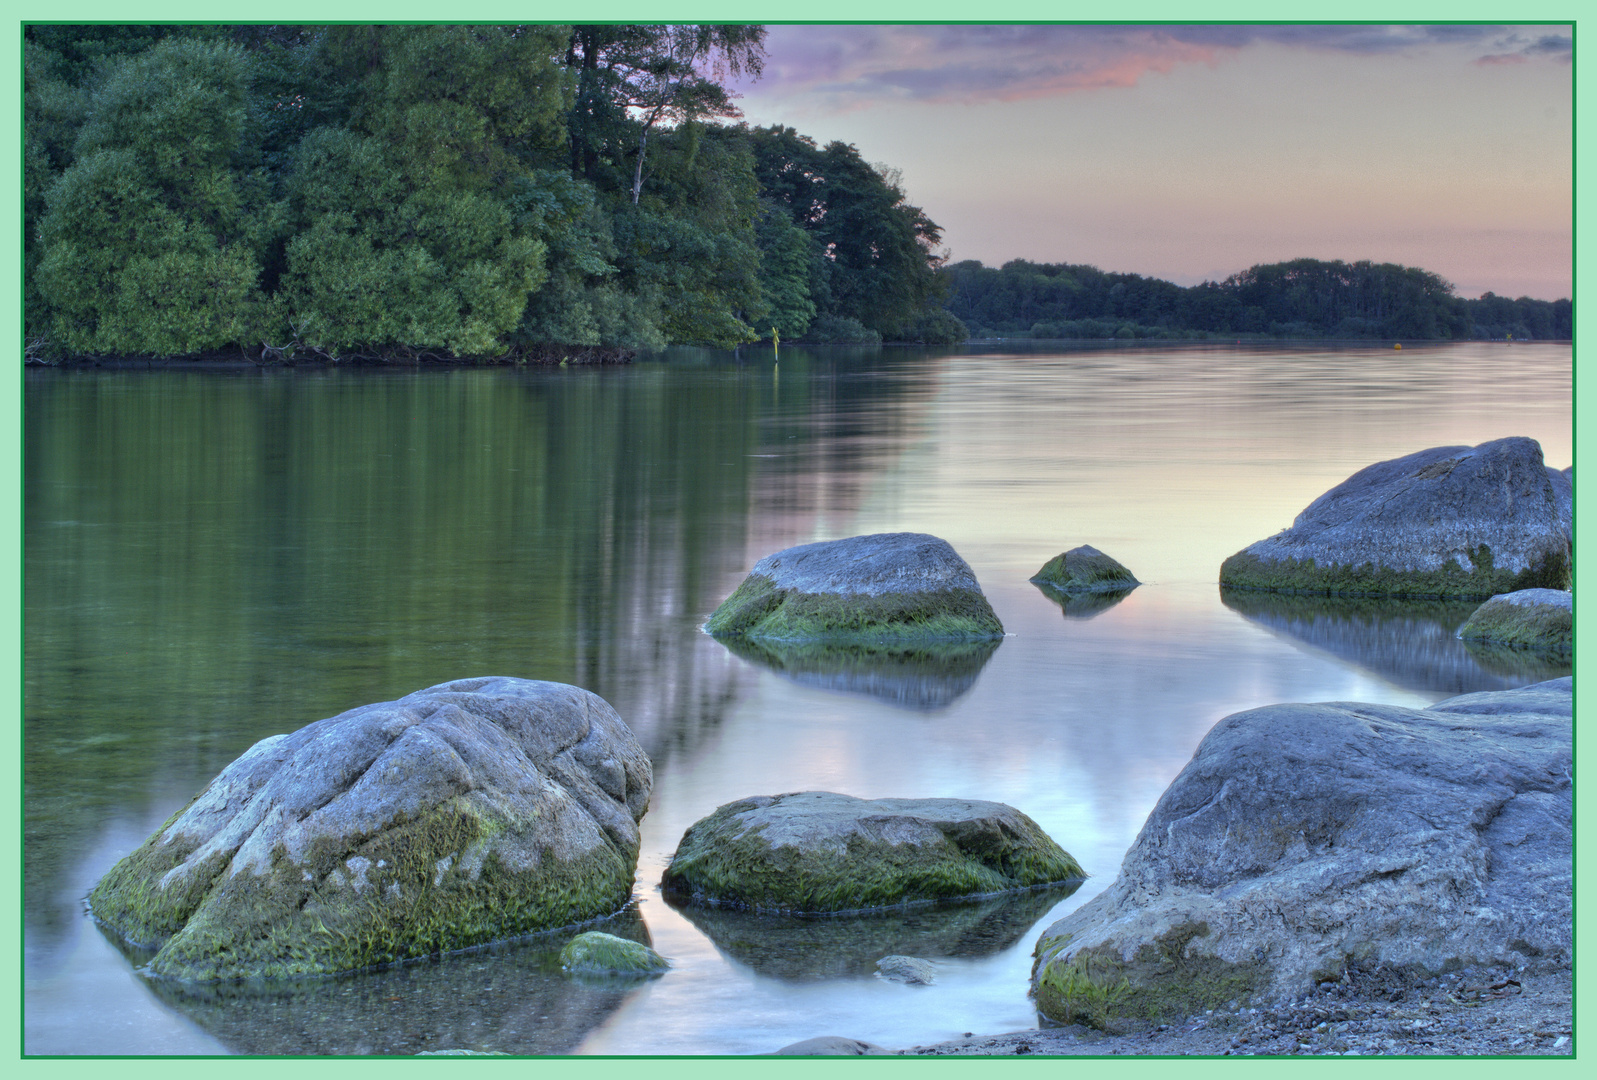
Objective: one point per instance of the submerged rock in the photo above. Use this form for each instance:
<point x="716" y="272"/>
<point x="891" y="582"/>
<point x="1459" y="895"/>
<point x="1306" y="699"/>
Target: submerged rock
<point x="816" y="851"/>
<point x="469" y="811"/>
<point x="831" y="1046"/>
<point x="1541" y="619"/>
<point x="1304" y="841"/>
<point x="1452" y="521"/>
<point x="598" y="953"/>
<point x="1085" y="569"/>
<point x="885" y="587"/>
<point x="907" y="969"/>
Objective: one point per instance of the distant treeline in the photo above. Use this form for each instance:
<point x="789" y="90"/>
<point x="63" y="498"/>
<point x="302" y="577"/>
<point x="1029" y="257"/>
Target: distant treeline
<point x="443" y="191"/>
<point x="1304" y="298"/>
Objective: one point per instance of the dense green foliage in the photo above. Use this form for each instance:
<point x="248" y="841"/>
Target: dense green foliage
<point x="1304" y="298"/>
<point x="447" y="191"/>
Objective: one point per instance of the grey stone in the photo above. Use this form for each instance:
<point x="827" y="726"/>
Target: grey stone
<point x="1304" y="841"/>
<point x="1450" y="521"/>
<point x="831" y="1046"/>
<point x="886" y="587"/>
<point x="1541" y="619"/>
<point x="907" y="969"/>
<point x="470" y="811"/>
<point x="817" y="851"/>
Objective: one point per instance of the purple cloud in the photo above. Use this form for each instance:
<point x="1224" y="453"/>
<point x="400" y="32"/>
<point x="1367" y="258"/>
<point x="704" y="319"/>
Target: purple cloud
<point x="846" y="67"/>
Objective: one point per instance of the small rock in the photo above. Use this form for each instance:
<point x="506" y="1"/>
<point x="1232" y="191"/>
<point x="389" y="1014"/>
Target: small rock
<point x="906" y="969"/>
<point x="1085" y="569"/>
<point x="597" y="953"/>
<point x="831" y="1046"/>
<point x="1541" y="619"/>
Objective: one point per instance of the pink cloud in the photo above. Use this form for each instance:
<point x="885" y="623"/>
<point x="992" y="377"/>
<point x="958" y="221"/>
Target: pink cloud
<point x="840" y="68"/>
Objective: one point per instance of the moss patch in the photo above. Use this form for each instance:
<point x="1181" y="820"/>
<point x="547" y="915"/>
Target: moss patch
<point x="1161" y="982"/>
<point x="719" y="861"/>
<point x="598" y="953"/>
<point x="1084" y="569"/>
<point x="1245" y="571"/>
<point x="1543" y="627"/>
<point x="418" y="897"/>
<point x="759" y="608"/>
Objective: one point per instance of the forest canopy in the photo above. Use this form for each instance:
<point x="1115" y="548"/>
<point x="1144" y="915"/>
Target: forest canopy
<point x="495" y="192"/>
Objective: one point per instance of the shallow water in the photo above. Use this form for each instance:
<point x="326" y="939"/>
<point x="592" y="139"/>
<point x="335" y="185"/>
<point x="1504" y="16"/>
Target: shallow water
<point x="213" y="558"/>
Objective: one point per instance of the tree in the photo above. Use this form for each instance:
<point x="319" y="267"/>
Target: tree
<point x="148" y="244"/>
<point x="651" y="75"/>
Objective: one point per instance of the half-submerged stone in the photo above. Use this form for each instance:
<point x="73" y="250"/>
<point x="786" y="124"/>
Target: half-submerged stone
<point x="472" y="810"/>
<point x="598" y="953"/>
<point x="1452" y="521"/>
<point x="1302" y="841"/>
<point x="1085" y="569"/>
<point x="887" y="587"/>
<point x="1541" y="619"/>
<point x="819" y="852"/>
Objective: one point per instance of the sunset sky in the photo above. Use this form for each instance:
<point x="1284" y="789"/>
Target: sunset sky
<point x="1192" y="152"/>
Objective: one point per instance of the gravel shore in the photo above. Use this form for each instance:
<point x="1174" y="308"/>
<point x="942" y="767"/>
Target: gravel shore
<point x="1473" y="1012"/>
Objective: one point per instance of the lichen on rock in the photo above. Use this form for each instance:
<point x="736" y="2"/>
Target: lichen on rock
<point x="821" y="852"/>
<point x="473" y="810"/>
<point x="1541" y="619"/>
<point x="1451" y="521"/>
<point x="887" y="587"/>
<point x="1085" y="569"/>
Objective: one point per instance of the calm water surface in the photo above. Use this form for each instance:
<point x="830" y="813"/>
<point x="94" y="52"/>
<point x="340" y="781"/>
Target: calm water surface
<point x="214" y="558"/>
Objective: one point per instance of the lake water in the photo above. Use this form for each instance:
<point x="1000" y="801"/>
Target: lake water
<point x="212" y="558"/>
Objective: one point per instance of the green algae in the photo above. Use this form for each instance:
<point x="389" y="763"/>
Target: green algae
<point x="1452" y="581"/>
<point x="1085" y="569"/>
<point x="422" y="894"/>
<point x="1162" y="981"/>
<point x="720" y="862"/>
<point x="598" y="953"/>
<point x="759" y="608"/>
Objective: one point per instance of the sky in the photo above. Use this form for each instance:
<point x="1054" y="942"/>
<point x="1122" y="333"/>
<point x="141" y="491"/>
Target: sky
<point x="1192" y="152"/>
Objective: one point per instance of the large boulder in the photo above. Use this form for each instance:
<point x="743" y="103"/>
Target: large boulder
<point x="1085" y="569"/>
<point x="469" y="811"/>
<point x="1452" y="521"/>
<point x="888" y="587"/>
<point x="1303" y="841"/>
<point x="817" y="851"/>
<point x="1541" y="619"/>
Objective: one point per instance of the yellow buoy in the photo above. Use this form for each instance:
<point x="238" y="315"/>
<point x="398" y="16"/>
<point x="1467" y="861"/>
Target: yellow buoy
<point x="1399" y="345"/>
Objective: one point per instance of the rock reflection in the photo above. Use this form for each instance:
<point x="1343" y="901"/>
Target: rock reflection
<point x="807" y="948"/>
<point x="1413" y="643"/>
<point x="510" y="997"/>
<point x="927" y="677"/>
<point x="1083" y="605"/>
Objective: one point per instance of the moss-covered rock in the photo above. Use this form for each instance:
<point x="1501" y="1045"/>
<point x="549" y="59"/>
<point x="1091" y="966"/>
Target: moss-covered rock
<point x="1541" y="619"/>
<point x="883" y="588"/>
<point x="1452" y="521"/>
<point x="1085" y="569"/>
<point x="816" y="851"/>
<point x="598" y="953"/>
<point x="1303" y="841"/>
<point x="470" y="811"/>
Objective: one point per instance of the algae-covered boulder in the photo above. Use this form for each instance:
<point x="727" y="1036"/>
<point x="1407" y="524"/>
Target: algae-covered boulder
<point x="888" y="587"/>
<point x="1303" y="841"/>
<point x="1541" y="619"/>
<point x="1085" y="569"/>
<point x="816" y="851"/>
<point x="598" y="953"/>
<point x="473" y="810"/>
<point x="1452" y="521"/>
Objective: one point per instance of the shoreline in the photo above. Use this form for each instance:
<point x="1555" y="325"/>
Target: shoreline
<point x="1475" y="1012"/>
